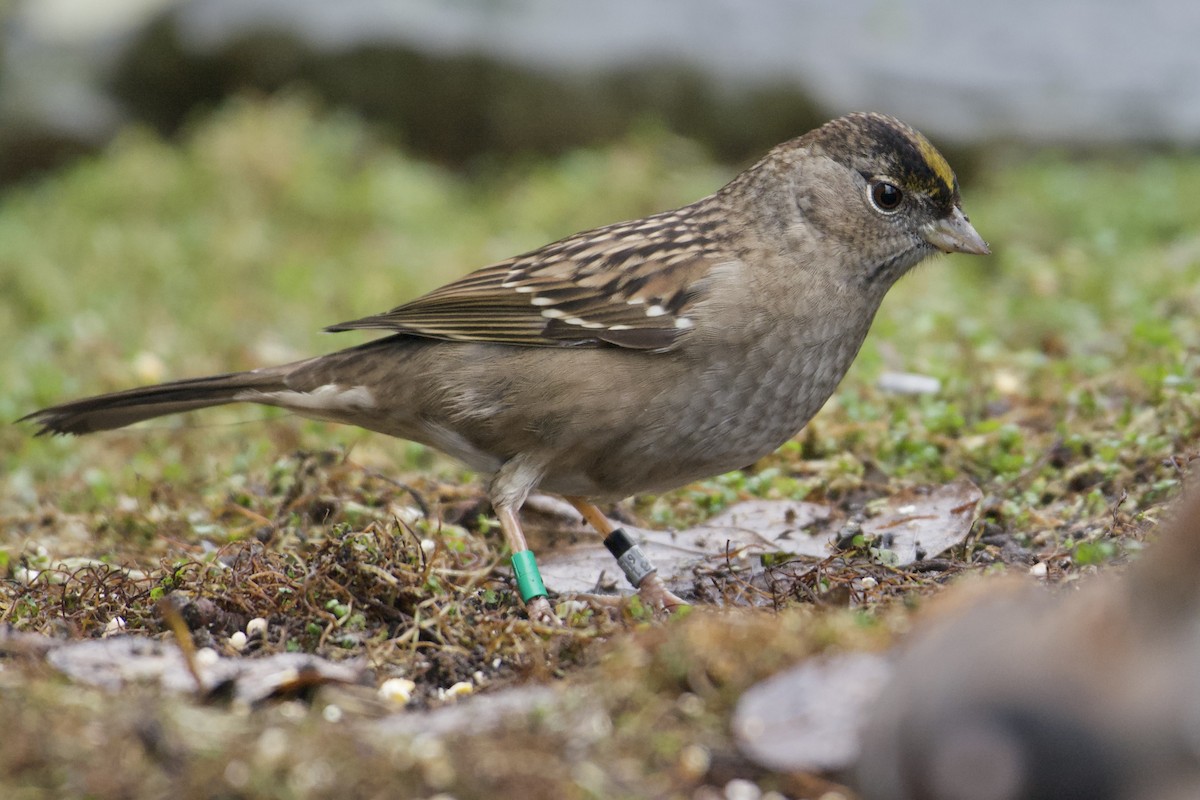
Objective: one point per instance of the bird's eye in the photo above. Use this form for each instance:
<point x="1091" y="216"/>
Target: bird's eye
<point x="886" y="196"/>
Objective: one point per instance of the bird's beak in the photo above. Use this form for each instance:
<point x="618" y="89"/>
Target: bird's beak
<point x="954" y="234"/>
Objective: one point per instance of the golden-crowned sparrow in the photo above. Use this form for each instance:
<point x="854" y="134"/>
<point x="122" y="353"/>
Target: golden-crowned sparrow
<point x="634" y="357"/>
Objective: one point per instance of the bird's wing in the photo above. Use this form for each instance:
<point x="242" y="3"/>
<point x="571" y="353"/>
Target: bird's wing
<point x="631" y="285"/>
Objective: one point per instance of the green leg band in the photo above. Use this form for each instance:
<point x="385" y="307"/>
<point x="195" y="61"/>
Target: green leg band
<point x="529" y="580"/>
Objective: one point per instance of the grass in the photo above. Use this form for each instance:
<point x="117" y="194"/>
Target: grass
<point x="1068" y="363"/>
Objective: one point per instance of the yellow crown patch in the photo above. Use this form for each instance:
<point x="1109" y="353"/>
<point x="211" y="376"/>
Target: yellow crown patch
<point x="935" y="160"/>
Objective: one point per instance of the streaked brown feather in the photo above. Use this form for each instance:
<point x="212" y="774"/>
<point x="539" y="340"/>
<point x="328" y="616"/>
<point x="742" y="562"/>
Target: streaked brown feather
<point x="628" y="285"/>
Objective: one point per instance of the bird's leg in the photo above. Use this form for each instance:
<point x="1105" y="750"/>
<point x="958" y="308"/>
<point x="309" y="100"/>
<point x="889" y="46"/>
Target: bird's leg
<point x="529" y="582"/>
<point x="637" y="568"/>
<point x="508" y="491"/>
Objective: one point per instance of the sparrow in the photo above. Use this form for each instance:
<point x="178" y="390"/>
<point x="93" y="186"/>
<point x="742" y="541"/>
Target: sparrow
<point x="635" y="357"/>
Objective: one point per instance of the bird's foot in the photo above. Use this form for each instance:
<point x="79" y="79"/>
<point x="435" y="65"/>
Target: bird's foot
<point x="656" y="595"/>
<point x="653" y="594"/>
<point x="541" y="612"/>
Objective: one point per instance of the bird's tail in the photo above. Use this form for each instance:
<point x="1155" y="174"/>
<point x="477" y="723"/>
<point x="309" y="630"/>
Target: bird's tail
<point x="107" y="411"/>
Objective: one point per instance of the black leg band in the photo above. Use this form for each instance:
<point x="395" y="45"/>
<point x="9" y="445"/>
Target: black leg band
<point x="629" y="556"/>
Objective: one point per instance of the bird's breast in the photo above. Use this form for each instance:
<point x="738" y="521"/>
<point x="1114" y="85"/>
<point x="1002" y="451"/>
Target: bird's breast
<point x="714" y="410"/>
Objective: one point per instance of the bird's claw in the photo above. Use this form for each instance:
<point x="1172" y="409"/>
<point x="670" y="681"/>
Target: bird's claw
<point x="541" y="612"/>
<point x="655" y="594"/>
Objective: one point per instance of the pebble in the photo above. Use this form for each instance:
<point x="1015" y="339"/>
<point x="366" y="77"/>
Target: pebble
<point x="460" y="689"/>
<point x="741" y="789"/>
<point x="908" y="383"/>
<point x="397" y="690"/>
